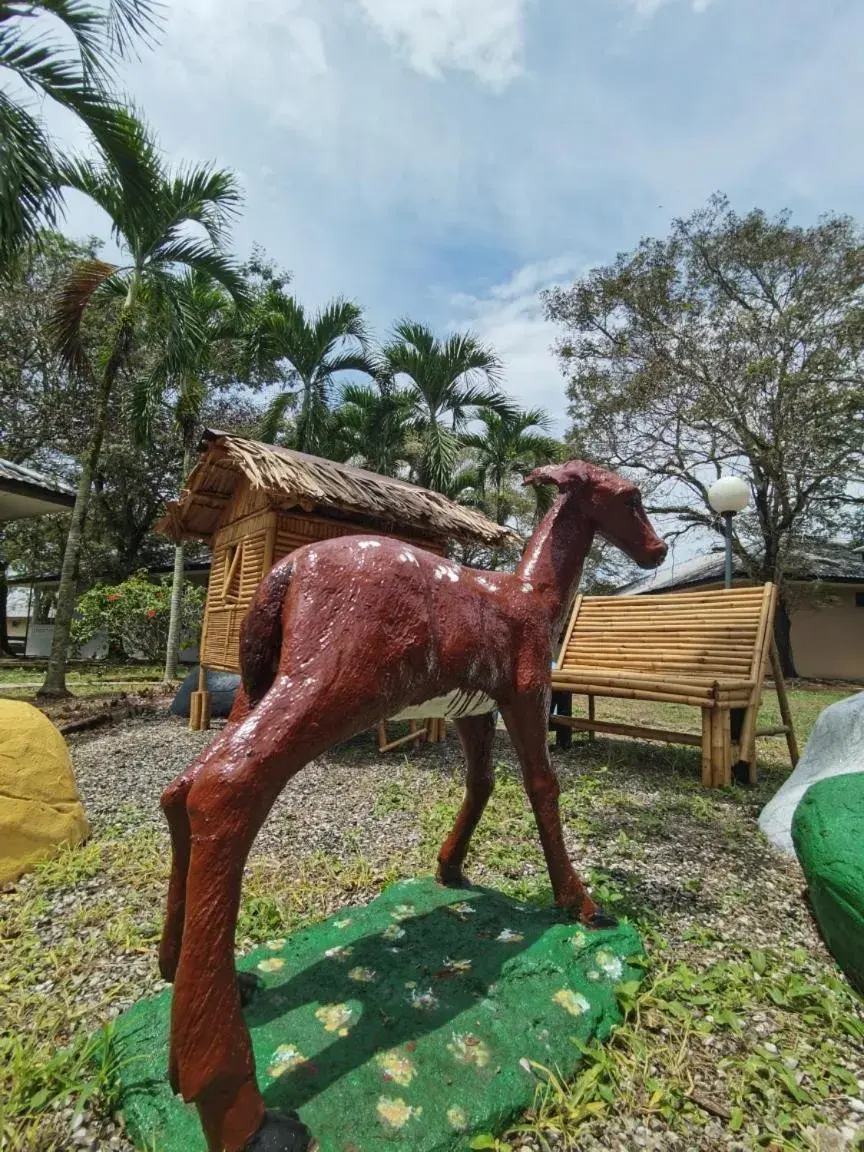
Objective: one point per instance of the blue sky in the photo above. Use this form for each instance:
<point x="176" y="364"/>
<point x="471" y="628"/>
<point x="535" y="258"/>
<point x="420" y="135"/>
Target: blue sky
<point x="448" y="159"/>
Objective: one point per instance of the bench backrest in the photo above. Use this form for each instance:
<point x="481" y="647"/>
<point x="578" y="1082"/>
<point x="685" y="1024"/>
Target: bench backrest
<point x="721" y="635"/>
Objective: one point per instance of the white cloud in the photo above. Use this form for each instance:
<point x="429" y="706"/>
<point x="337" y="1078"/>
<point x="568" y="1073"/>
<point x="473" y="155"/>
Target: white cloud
<point x="648" y="8"/>
<point x="510" y="317"/>
<point x="483" y="37"/>
<point x="272" y="54"/>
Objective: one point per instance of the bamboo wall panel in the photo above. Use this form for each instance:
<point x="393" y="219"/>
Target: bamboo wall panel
<point x="240" y="529"/>
<point x="245" y="502"/>
<point x="294" y="531"/>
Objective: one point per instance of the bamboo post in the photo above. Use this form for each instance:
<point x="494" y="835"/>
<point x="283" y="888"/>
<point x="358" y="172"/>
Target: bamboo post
<point x="269" y="547"/>
<point x="195" y="711"/>
<point x="561" y="705"/>
<point x="757" y="675"/>
<point x="199" y="703"/>
<point x="707" y="775"/>
<point x="721" y="766"/>
<point x="783" y="701"/>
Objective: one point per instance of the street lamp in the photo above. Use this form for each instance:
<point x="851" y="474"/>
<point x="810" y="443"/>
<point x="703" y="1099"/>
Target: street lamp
<point x="728" y="495"/>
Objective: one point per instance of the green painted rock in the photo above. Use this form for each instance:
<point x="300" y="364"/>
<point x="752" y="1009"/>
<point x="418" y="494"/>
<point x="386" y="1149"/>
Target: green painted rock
<point x="411" y="1023"/>
<point x="828" y="833"/>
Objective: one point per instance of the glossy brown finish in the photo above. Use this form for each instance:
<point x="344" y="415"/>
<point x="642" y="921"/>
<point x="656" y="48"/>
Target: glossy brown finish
<point x="341" y="635"/>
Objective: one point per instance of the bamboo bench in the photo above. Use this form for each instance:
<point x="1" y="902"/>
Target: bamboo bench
<point x="708" y="650"/>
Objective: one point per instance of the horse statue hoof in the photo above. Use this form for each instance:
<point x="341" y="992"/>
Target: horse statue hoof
<point x="280" y="1132"/>
<point x="452" y="878"/>
<point x="247" y="985"/>
<point x="600" y="919"/>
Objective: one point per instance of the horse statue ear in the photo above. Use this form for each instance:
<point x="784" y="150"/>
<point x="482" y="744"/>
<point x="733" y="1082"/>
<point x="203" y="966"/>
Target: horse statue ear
<point x="563" y="476"/>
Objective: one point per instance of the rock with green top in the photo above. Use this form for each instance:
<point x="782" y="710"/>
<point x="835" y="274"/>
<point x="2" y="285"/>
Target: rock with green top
<point x="419" y="1021"/>
<point x="828" y="833"/>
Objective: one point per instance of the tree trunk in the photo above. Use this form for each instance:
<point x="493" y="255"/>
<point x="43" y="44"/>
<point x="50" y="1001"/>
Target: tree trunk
<point x="783" y="637"/>
<point x="172" y="653"/>
<point x="55" y="677"/>
<point x="5" y="649"/>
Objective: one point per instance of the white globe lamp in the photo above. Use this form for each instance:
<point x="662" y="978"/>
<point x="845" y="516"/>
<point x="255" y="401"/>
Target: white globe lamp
<point x="728" y="495"/>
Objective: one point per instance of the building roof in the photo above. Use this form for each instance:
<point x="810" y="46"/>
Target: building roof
<point x="295" y="480"/>
<point x="25" y="492"/>
<point x="829" y="561"/>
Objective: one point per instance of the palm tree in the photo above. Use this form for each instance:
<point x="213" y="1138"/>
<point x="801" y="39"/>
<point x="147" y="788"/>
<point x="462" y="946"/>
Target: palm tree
<point x="449" y="380"/>
<point x="373" y="424"/>
<point x="155" y="233"/>
<point x="317" y="348"/>
<point x="74" y="73"/>
<point x="183" y="371"/>
<point x="507" y="448"/>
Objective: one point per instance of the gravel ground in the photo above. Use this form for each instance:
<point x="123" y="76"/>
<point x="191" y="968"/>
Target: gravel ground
<point x="708" y="872"/>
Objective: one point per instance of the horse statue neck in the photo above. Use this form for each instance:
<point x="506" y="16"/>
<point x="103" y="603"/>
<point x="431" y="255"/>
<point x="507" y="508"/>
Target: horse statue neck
<point x="554" y="556"/>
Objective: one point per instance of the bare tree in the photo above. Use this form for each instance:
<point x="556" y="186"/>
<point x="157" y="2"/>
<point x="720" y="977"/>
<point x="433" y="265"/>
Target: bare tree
<point x="733" y="346"/>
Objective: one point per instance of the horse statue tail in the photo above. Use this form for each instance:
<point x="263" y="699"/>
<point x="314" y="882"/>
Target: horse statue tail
<point x="261" y="635"/>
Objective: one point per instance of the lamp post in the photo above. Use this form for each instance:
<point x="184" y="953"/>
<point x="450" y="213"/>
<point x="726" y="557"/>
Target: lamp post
<point x="728" y="495"/>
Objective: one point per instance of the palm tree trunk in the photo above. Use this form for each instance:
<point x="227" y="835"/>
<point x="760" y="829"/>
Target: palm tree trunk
<point x="172" y="654"/>
<point x="55" y="677"/>
<point x="303" y="429"/>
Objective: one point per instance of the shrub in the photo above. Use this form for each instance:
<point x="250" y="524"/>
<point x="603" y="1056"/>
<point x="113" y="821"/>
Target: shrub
<point x="134" y="616"/>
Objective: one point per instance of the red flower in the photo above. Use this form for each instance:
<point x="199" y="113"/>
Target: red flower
<point x="113" y="596"/>
<point x="151" y="612"/>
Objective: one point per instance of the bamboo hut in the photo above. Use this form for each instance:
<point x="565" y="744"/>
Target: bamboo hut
<point x="255" y="503"/>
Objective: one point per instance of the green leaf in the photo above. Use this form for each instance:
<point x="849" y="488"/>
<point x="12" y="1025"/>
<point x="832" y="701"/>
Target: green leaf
<point x="758" y="960"/>
<point x="736" y="1120"/>
<point x="484" y="1140"/>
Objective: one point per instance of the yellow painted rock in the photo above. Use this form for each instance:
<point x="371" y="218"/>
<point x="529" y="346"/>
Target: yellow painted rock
<point x="39" y="804"/>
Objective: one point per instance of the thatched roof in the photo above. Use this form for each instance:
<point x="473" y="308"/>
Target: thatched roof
<point x="295" y="480"/>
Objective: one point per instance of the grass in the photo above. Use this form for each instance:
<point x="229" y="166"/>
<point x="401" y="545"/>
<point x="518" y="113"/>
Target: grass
<point x="743" y="1029"/>
<point x="22" y="681"/>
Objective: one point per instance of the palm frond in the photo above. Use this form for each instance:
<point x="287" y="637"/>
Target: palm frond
<point x="463" y="355"/>
<point x="203" y="257"/>
<point x="145" y="401"/>
<point x="348" y="362"/>
<point x="477" y="396"/>
<point x="209" y="196"/>
<point x="274" y="417"/>
<point x="126" y="183"/>
<point x="87" y="26"/>
<point x="339" y="320"/>
<point x="29" y="195"/>
<point x="440" y="450"/>
<point x="418" y="336"/>
<point x="129" y="22"/>
<point x="70" y="304"/>
<point x="99" y="184"/>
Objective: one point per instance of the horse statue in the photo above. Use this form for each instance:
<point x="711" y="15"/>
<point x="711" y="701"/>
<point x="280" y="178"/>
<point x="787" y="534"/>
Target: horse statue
<point x="341" y="634"/>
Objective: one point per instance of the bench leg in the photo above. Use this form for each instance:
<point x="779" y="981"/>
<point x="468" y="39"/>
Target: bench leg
<point x="562" y="705"/>
<point x="591" y="716"/>
<point x="707" y="761"/>
<point x="721" y="748"/>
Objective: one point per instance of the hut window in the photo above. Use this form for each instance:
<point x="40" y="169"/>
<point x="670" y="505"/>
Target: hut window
<point x="231" y="578"/>
<point x="859" y="599"/>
